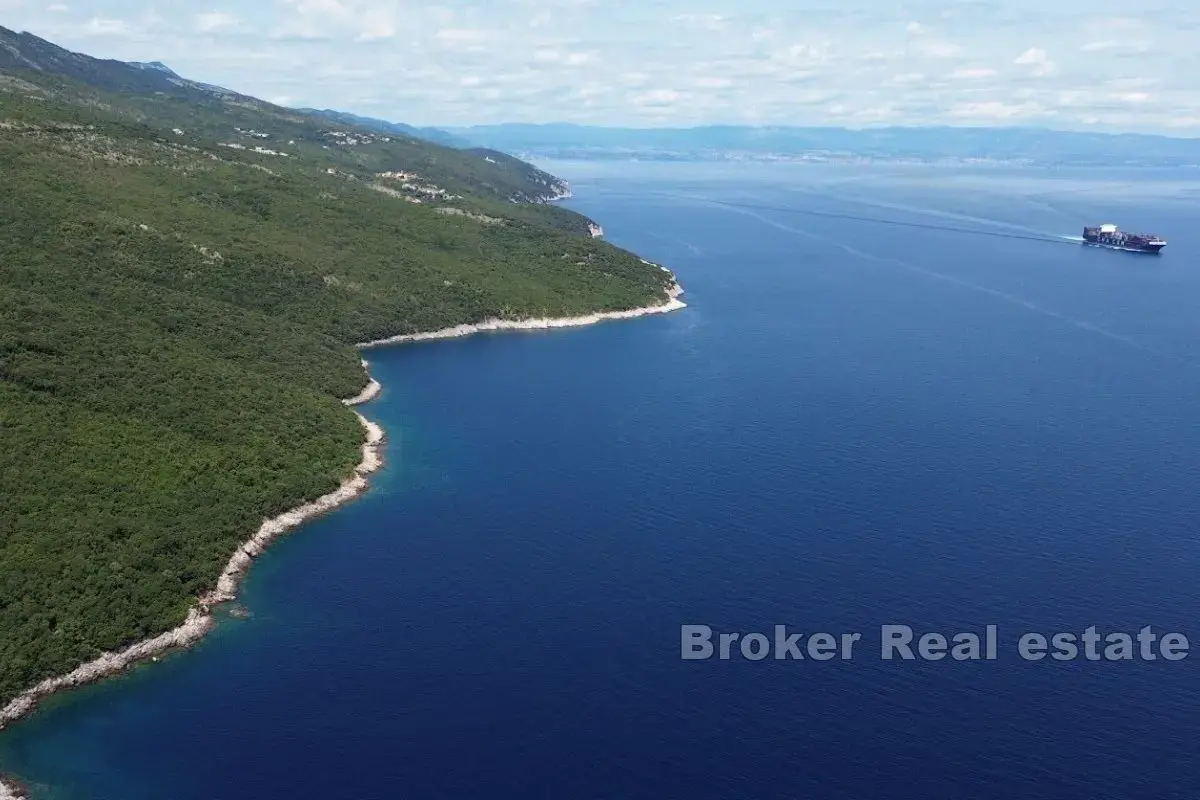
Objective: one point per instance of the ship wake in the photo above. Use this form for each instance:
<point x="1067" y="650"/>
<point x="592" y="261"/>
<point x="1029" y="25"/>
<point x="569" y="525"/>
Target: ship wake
<point x="1011" y="299"/>
<point x="1032" y="235"/>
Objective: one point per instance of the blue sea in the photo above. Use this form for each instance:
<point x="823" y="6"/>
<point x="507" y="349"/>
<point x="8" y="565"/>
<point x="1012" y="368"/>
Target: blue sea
<point x="854" y="423"/>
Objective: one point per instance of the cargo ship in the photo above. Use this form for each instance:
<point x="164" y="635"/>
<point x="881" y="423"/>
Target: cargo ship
<point x="1109" y="236"/>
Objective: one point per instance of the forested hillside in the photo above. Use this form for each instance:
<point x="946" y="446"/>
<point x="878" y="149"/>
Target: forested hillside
<point x="177" y="319"/>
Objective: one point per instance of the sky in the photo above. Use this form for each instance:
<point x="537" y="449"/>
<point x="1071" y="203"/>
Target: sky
<point x="1070" y="64"/>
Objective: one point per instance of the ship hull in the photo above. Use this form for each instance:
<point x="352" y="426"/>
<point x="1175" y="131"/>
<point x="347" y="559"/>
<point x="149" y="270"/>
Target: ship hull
<point x="1108" y="236"/>
<point x="1128" y="247"/>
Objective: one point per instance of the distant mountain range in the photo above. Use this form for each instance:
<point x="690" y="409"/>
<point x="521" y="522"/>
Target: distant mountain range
<point x="1030" y="146"/>
<point x="1038" y="146"/>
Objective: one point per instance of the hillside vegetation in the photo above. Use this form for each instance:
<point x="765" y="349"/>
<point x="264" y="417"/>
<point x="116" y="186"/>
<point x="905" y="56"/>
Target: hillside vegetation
<point x="177" y="320"/>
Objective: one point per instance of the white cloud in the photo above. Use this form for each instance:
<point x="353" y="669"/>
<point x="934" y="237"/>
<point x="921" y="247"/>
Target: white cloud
<point x="711" y="22"/>
<point x="1116" y="23"/>
<point x="339" y="72"/>
<point x="804" y="53"/>
<point x="669" y="61"/>
<point x="102" y="26"/>
<point x="467" y="40"/>
<point x="211" y="21"/>
<point x="1132" y="83"/>
<point x="1112" y="45"/>
<point x="467" y="35"/>
<point x="562" y="57"/>
<point x="971" y="73"/>
<point x="657" y="97"/>
<point x="323" y="8"/>
<point x="1036" y="59"/>
<point x="930" y="48"/>
<point x="1075" y="98"/>
<point x="357" y="20"/>
<point x="993" y="110"/>
<point x="874" y="114"/>
<point x="377" y="23"/>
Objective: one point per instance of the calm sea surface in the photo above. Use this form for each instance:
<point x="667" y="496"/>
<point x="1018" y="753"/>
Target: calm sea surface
<point x="853" y="424"/>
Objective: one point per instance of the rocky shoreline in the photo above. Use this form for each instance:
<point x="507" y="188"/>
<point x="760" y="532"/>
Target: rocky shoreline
<point x="200" y="620"/>
<point x="10" y="789"/>
<point x="369" y="392"/>
<point x="673" y="303"/>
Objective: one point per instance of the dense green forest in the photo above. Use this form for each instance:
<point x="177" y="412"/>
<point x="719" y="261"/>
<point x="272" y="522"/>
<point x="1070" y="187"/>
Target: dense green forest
<point x="177" y="320"/>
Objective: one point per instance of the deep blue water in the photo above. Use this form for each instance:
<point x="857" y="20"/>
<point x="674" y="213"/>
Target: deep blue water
<point x="851" y="425"/>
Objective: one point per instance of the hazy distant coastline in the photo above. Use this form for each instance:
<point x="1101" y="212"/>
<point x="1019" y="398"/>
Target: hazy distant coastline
<point x="952" y="146"/>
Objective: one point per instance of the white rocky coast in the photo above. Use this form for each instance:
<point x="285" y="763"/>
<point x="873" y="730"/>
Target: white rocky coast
<point x="673" y="303"/>
<point x="559" y="191"/>
<point x="199" y="620"/>
<point x="369" y="392"/>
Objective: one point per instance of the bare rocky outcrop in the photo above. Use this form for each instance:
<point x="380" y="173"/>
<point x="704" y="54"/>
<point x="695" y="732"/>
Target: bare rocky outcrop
<point x="393" y="192"/>
<point x="470" y="215"/>
<point x="11" y="790"/>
